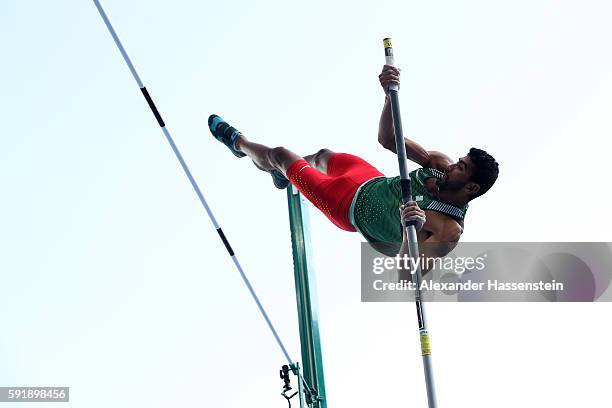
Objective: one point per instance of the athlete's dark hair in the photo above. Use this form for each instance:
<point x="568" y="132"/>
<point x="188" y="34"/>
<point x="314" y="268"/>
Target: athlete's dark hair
<point x="485" y="170"/>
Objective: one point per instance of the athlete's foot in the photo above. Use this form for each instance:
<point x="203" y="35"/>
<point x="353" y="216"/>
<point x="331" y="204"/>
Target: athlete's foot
<point x="225" y="133"/>
<point x="279" y="180"/>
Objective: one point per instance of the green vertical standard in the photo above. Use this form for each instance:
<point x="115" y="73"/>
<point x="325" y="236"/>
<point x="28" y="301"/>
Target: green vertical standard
<point x="306" y="296"/>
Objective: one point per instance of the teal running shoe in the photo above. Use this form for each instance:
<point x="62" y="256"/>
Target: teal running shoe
<point x="224" y="133"/>
<point x="279" y="180"/>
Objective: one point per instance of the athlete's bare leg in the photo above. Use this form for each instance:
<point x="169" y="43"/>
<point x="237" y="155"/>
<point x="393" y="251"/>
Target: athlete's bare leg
<point x="279" y="158"/>
<point x="319" y="159"/>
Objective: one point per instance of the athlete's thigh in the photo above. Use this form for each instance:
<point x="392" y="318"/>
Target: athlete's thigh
<point x="331" y="195"/>
<point x="345" y="164"/>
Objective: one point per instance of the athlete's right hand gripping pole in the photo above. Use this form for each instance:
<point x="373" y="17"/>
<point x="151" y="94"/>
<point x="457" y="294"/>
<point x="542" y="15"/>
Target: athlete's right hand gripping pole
<point x="413" y="245"/>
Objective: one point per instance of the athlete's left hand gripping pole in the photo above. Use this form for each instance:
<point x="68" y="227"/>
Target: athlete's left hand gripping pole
<point x="191" y="179"/>
<point x="413" y="245"/>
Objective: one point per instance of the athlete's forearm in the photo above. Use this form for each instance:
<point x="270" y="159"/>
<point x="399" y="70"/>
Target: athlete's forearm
<point x="404" y="274"/>
<point x="386" y="132"/>
<point x="429" y="249"/>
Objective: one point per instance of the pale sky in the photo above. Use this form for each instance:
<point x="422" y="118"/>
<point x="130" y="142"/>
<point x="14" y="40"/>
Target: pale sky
<point x="114" y="282"/>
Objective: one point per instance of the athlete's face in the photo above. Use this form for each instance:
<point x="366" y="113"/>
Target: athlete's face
<point x="456" y="176"/>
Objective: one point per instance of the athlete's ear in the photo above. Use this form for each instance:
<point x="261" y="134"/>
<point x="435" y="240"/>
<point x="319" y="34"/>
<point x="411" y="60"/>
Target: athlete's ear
<point x="472" y="188"/>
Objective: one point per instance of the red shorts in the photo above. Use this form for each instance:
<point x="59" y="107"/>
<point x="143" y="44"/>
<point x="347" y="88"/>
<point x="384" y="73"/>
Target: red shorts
<point x="332" y="193"/>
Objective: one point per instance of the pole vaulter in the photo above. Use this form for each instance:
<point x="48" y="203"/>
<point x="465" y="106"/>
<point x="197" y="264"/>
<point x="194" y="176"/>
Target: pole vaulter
<point x="356" y="196"/>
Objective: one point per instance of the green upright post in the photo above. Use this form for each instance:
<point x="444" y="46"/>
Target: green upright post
<point x="306" y="296"/>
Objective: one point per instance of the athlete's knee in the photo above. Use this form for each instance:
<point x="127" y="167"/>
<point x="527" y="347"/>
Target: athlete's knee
<point x="275" y="154"/>
<point x="280" y="156"/>
<point x="323" y="153"/>
<point x="321" y="157"/>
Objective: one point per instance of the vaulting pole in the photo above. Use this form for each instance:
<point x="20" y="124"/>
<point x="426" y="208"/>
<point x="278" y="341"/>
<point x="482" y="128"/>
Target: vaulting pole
<point x="413" y="245"/>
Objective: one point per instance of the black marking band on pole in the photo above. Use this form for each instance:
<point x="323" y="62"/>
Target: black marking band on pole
<point x="225" y="242"/>
<point x="420" y="315"/>
<point x="406" y="190"/>
<point x="153" y="107"/>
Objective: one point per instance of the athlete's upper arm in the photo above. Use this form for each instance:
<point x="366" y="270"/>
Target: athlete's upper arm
<point x="426" y="158"/>
<point x="438" y="160"/>
<point x="443" y="239"/>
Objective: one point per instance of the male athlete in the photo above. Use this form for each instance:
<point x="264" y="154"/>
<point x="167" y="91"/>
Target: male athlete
<point x="355" y="196"/>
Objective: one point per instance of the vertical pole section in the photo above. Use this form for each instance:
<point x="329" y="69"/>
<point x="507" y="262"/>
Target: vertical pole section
<point x="413" y="245"/>
<point x="306" y="295"/>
